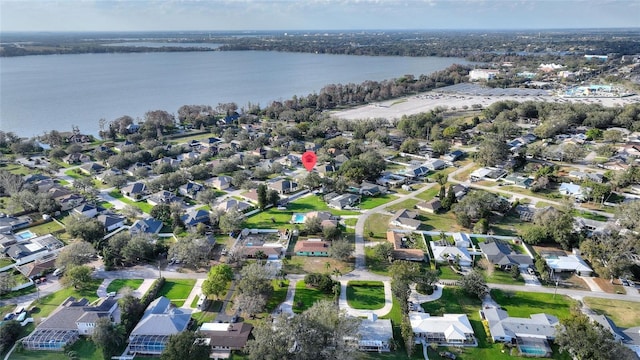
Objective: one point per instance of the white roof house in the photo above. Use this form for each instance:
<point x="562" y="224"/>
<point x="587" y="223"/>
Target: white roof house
<point x="375" y="334"/>
<point x="461" y="240"/>
<point x="445" y="252"/>
<point x="449" y="329"/>
<point x="505" y="328"/>
<point x="571" y="263"/>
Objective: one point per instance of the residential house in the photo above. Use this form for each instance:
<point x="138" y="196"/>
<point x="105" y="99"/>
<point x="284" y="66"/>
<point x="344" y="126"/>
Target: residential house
<point x="135" y="191"/>
<point x="76" y="158"/>
<point x="107" y="174"/>
<point x="584" y="176"/>
<point x="10" y="223"/>
<point x="168" y="161"/>
<point x="86" y="210"/>
<point x="375" y="334"/>
<point x="39" y="267"/>
<point x="488" y="173"/>
<point x="111" y="222"/>
<point x="146" y="226"/>
<point x="415" y="171"/>
<point x="68" y="202"/>
<point x="568" y="263"/>
<point x="160" y="320"/>
<point x="435" y="164"/>
<point x="163" y="197"/>
<point x="33" y="249"/>
<point x="312" y="247"/>
<point x="138" y="168"/>
<point x="432" y="206"/>
<point x="536" y="329"/>
<point x="291" y="160"/>
<point x="405" y="219"/>
<point x="391" y="180"/>
<point x="325" y="169"/>
<point x="269" y="252"/>
<point x="231" y="203"/>
<point x="609" y="324"/>
<point x="190" y="189"/>
<point x="518" y="180"/>
<point x="342" y="201"/>
<point x="225" y="337"/>
<point x="191" y="155"/>
<point x="444" y="252"/>
<point x="92" y="168"/>
<point x="499" y="253"/>
<point x="340" y="159"/>
<point x="195" y="217"/>
<point x="460" y="191"/>
<point x="445" y="330"/>
<point x="453" y="156"/>
<point x="220" y="182"/>
<point x="283" y="186"/>
<point x="573" y="190"/>
<point x="400" y="249"/>
<point x="369" y="189"/>
<point x="70" y="320"/>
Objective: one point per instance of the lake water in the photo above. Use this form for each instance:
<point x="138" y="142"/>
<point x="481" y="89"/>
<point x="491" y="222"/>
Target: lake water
<point x="41" y="93"/>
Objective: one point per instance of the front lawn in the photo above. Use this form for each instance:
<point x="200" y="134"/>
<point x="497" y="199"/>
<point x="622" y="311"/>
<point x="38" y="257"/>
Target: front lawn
<point x="142" y="205"/>
<point x="118" y="284"/>
<point x="408" y="204"/>
<point x="365" y="295"/>
<point x="177" y="290"/>
<point x="5" y="261"/>
<point x="503" y="277"/>
<point x="625" y="314"/>
<point x="305" y="297"/>
<point x="46" y="228"/>
<point x="429" y="193"/>
<point x="278" y="296"/>
<point x="376" y="226"/>
<point x="373" y="202"/>
<point x="524" y="304"/>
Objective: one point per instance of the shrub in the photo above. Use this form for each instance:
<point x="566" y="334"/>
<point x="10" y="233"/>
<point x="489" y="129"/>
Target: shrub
<point x="322" y="282"/>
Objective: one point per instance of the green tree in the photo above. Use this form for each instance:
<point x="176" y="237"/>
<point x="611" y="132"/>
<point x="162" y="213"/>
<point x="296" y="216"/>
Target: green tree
<point x="186" y="345"/>
<point x="232" y="220"/>
<point x="262" y="196"/>
<point x="384" y="251"/>
<point x="410" y="146"/>
<point x="594" y="134"/>
<point x="313" y="225"/>
<point x="274" y="198"/>
<point x="76" y="253"/>
<point x="584" y="340"/>
<point x="217" y="280"/>
<point x="440" y="146"/>
<point x="341" y="250"/>
<point x="474" y="284"/>
<point x="89" y="230"/>
<point x="78" y="276"/>
<point x="191" y="250"/>
<point x="9" y="333"/>
<point x="492" y="151"/>
<point x="107" y="337"/>
<point x="138" y="249"/>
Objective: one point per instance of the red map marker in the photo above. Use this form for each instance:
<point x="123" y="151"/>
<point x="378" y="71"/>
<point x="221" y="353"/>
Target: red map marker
<point x="309" y="159"/>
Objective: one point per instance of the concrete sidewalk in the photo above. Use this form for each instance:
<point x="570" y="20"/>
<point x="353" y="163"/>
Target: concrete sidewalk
<point x="195" y="292"/>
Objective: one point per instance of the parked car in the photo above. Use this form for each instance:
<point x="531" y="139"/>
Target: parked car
<point x="9" y="316"/>
<point x="624" y="282"/>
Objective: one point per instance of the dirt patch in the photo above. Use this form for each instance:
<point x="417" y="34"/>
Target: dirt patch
<point x="608" y="287"/>
<point x="574" y="282"/>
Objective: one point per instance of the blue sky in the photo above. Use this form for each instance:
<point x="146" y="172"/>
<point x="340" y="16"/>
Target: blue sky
<point x="135" y="15"/>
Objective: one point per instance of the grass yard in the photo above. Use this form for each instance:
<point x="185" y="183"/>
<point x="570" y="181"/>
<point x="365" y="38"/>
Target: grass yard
<point x="523" y="304"/>
<point x="442" y="222"/>
<point x="118" y="284"/>
<point x="305" y="297"/>
<point x="84" y="349"/>
<point x="350" y="222"/>
<point x="315" y="203"/>
<point x="607" y="286"/>
<point x="366" y="295"/>
<point x="624" y="313"/>
<point x="280" y="288"/>
<point x="375" y="265"/>
<point x="45" y="305"/>
<point x="75" y="174"/>
<point x="46" y="228"/>
<point x="430" y="193"/>
<point x="142" y="205"/>
<point x="209" y="314"/>
<point x="5" y="261"/>
<point x="373" y="202"/>
<point x="446" y="273"/>
<point x="177" y="290"/>
<point x="376" y="224"/>
<point x="408" y="204"/>
<point x="503" y="277"/>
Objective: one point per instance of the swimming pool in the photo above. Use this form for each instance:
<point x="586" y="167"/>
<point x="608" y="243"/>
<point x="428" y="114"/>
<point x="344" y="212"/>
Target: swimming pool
<point x="298" y="218"/>
<point x="532" y="350"/>
<point x="26" y="235"/>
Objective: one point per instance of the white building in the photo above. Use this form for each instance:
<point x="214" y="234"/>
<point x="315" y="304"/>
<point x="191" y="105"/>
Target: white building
<point x="375" y="334"/>
<point x="446" y="330"/>
<point x="482" y="74"/>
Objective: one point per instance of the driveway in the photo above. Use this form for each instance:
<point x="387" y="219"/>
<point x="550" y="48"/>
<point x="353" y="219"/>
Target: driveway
<point x="529" y="280"/>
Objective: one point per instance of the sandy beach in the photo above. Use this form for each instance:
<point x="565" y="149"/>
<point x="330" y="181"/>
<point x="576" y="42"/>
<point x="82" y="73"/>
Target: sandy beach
<point x="394" y="109"/>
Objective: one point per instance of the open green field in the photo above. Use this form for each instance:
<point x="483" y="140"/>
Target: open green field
<point x="306" y="297"/>
<point x="118" y="284"/>
<point x="442" y="222"/>
<point x="45" y="305"/>
<point x="177" y="290"/>
<point x="524" y="304"/>
<point x="84" y="349"/>
<point x="624" y="313"/>
<point x="455" y="301"/>
<point x="142" y="205"/>
<point x="278" y="296"/>
<point x="373" y="202"/>
<point x="366" y="295"/>
<point x="378" y="225"/>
